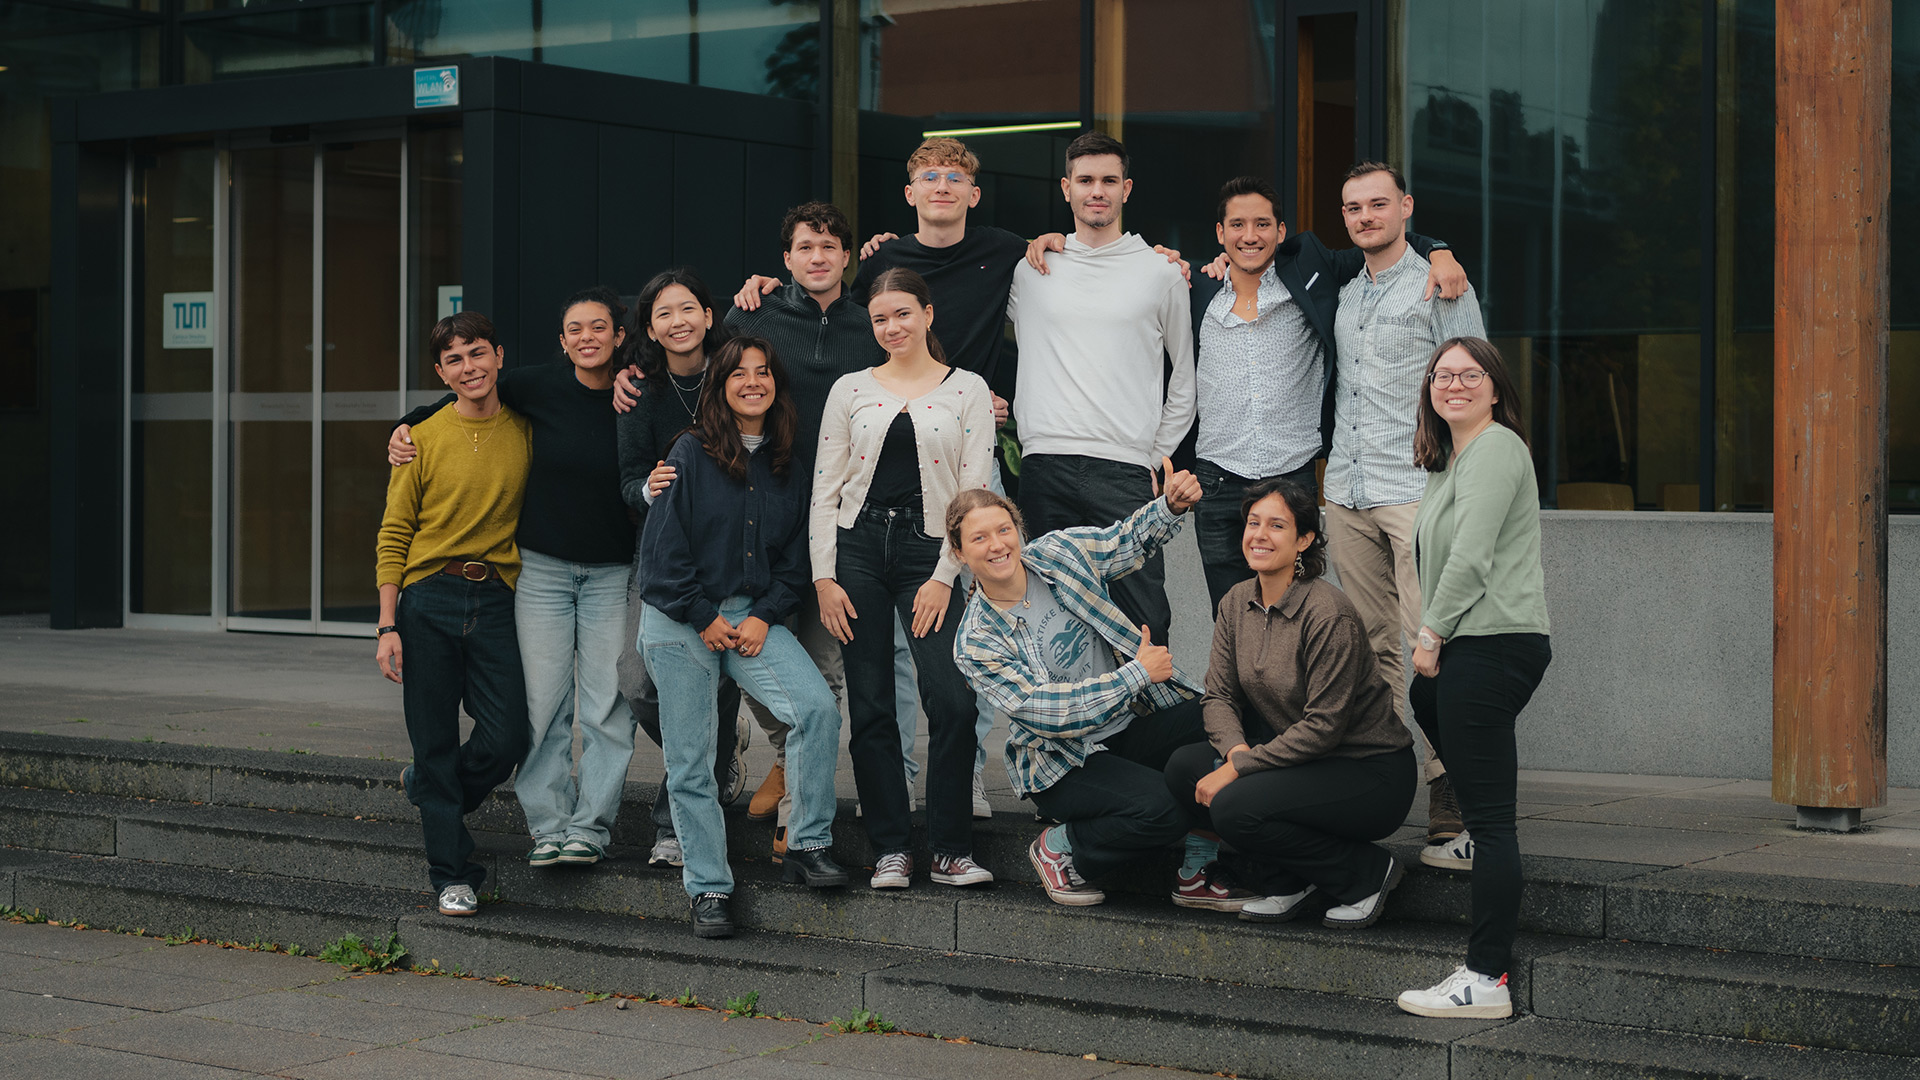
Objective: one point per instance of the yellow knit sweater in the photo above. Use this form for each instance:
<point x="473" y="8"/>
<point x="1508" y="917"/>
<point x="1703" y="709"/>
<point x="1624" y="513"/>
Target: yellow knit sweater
<point x="460" y="499"/>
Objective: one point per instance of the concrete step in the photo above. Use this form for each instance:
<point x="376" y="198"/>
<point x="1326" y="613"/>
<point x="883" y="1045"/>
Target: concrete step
<point x="1829" y="1003"/>
<point x="1864" y="921"/>
<point x="1538" y="1048"/>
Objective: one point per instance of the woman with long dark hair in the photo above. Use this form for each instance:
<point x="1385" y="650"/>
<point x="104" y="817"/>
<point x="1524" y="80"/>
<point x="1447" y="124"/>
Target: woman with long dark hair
<point x="1482" y="646"/>
<point x="897" y="441"/>
<point x="1308" y="766"/>
<point x="723" y="558"/>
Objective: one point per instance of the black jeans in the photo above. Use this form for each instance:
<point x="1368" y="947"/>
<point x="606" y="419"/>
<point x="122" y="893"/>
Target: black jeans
<point x="1061" y="491"/>
<point x="883" y="560"/>
<point x="1309" y="824"/>
<point x="1116" y="807"/>
<point x="458" y="646"/>
<point x="1468" y="713"/>
<point x="1218" y="523"/>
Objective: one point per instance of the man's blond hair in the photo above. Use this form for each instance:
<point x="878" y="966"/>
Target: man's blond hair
<point x="943" y="151"/>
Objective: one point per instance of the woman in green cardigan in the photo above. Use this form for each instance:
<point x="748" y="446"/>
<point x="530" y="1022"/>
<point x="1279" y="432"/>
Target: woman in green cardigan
<point x="1482" y="645"/>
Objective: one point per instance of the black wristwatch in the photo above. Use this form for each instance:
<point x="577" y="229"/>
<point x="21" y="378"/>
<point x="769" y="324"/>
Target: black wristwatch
<point x="383" y="631"/>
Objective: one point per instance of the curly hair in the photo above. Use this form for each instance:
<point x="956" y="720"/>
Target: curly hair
<point x="1305" y="511"/>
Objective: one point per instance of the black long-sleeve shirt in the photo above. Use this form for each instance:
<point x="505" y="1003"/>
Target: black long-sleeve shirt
<point x="816" y="347"/>
<point x="646" y="433"/>
<point x="709" y="537"/>
<point x="573" y="510"/>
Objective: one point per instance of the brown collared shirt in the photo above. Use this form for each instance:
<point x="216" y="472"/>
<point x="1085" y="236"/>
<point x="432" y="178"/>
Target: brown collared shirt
<point x="1296" y="681"/>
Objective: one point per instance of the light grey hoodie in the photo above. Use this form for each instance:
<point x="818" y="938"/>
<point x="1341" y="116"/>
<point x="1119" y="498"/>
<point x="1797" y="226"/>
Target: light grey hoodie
<point x="1092" y="333"/>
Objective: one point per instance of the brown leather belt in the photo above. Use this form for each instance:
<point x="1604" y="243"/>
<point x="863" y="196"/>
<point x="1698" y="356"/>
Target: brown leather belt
<point x="471" y="569"/>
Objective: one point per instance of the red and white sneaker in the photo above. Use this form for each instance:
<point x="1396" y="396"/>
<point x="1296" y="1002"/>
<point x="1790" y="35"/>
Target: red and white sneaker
<point x="1213" y="888"/>
<point x="1063" y="883"/>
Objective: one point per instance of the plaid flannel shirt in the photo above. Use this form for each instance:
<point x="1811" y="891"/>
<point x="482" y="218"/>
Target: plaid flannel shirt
<point x="1048" y="722"/>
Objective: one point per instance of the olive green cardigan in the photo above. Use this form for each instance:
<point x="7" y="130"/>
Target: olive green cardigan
<point x="1476" y="542"/>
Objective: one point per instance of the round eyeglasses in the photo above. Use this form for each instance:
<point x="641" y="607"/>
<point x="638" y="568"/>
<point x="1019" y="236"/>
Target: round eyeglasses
<point x="1468" y="379"/>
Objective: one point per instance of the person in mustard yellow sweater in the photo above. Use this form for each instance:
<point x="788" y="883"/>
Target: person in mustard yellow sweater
<point x="447" y="564"/>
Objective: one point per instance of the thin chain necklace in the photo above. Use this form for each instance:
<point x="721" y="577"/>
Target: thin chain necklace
<point x="685" y="390"/>
<point x="474" y="436"/>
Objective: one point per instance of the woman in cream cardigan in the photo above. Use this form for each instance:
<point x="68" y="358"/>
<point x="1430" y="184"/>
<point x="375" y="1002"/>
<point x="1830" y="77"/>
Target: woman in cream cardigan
<point x="1482" y="646"/>
<point x="897" y="442"/>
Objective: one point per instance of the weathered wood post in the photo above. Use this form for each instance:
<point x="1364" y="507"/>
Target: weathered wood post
<point x="1832" y="169"/>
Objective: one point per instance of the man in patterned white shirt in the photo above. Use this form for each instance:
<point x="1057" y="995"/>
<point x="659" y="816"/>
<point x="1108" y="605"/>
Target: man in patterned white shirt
<point x="1384" y="333"/>
<point x="1263" y="342"/>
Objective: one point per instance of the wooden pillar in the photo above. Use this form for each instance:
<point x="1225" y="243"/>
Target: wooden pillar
<point x="1832" y="169"/>
<point x="844" y="108"/>
<point x="1110" y="67"/>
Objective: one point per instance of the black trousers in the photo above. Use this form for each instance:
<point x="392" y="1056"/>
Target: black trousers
<point x="882" y="561"/>
<point x="1468" y="712"/>
<point x="1308" y="824"/>
<point x="1218" y="523"/>
<point x="1061" y="491"/>
<point x="459" y="646"/>
<point x="1116" y="807"/>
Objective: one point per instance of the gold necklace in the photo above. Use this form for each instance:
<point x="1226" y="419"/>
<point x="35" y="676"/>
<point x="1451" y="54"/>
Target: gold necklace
<point x="474" y="436"/>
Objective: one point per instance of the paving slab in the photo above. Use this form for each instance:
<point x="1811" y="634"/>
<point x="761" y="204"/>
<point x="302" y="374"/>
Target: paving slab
<point x="276" y="971"/>
<point x="1895" y="871"/>
<point x="347" y="1018"/>
<point x="67" y="943"/>
<point x="935" y="1059"/>
<point x="581" y="1051"/>
<point x="1629" y="843"/>
<point x="37" y="1058"/>
<point x="27" y="1013"/>
<point x="407" y="1063"/>
<point x="212" y="1042"/>
<point x="134" y="989"/>
<point x="655" y="1021"/>
<point x="472" y="998"/>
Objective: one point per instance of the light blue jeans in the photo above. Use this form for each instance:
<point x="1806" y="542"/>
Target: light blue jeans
<point x="784" y="679"/>
<point x="571" y="620"/>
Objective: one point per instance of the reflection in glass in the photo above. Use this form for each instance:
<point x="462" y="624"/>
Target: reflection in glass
<point x="754" y="46"/>
<point x="171" y="561"/>
<point x="272" y="383"/>
<point x="306" y="39"/>
<point x="434" y="158"/>
<point x="1542" y="139"/>
<point x="361" y="377"/>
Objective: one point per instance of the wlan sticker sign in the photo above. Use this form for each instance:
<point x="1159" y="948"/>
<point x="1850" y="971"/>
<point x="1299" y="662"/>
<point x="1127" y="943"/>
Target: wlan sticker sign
<point x="186" y="320"/>
<point x="433" y="87"/>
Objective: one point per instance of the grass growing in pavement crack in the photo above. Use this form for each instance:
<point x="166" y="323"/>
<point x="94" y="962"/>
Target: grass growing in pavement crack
<point x="355" y="955"/>
<point x="21" y="915"/>
<point x="747" y="1004"/>
<point x="864" y="1020"/>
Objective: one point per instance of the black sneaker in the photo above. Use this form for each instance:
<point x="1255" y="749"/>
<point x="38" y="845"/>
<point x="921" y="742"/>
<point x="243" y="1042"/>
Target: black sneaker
<point x="813" y="868"/>
<point x="711" y="918"/>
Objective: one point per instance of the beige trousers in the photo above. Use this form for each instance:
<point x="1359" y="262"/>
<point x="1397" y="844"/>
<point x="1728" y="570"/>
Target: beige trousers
<point x="1372" y="552"/>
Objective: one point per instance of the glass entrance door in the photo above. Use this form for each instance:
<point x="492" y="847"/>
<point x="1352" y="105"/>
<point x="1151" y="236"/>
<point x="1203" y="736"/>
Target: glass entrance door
<point x="309" y="271"/>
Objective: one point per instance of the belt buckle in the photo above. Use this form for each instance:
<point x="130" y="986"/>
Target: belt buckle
<point x="475" y="571"/>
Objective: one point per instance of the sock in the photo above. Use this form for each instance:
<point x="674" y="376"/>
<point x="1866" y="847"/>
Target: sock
<point x="1199" y="852"/>
<point x="1057" y="840"/>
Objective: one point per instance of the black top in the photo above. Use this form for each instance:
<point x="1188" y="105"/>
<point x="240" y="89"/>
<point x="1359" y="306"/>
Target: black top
<point x="646" y="432"/>
<point x="970" y="282"/>
<point x="573" y="510"/>
<point x="710" y="537"/>
<point x="896" y="476"/>
<point x="816" y="347"/>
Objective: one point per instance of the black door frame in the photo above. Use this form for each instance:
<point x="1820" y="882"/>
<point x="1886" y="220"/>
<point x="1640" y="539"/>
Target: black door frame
<point x="1370" y="97"/>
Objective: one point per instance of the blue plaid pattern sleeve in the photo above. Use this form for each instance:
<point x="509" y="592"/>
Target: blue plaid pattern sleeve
<point x="1048" y="721"/>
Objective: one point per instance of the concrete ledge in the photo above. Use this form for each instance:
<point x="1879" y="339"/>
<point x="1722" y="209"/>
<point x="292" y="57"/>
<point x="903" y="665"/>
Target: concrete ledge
<point x="802" y="977"/>
<point x="1829" y="1003"/>
<point x="12" y="861"/>
<point x="1791" y="916"/>
<point x="1204" y="1026"/>
<point x="1563" y="896"/>
<point x="216" y="904"/>
<point x="1541" y="1049"/>
<point x="50" y="821"/>
<point x="101" y="767"/>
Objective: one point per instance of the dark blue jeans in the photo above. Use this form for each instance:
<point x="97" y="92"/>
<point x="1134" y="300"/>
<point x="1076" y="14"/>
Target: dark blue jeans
<point x="881" y="562"/>
<point x="1468" y="712"/>
<point x="1060" y="491"/>
<point x="458" y="646"/>
<point x="1218" y="523"/>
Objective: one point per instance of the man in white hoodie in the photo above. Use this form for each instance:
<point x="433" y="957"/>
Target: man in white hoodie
<point x="1094" y="402"/>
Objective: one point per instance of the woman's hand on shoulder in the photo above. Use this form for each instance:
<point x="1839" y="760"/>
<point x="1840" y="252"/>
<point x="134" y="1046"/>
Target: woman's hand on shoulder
<point x="400" y="448"/>
<point x="751" y="636"/>
<point x="836" y="611"/>
<point x="930" y="607"/>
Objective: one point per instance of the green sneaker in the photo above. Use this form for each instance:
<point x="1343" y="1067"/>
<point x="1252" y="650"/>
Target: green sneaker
<point x="580" y="851"/>
<point x="544" y="853"/>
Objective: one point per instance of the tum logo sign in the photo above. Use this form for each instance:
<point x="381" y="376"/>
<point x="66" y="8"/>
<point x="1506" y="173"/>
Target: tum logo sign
<point x="185" y="320"/>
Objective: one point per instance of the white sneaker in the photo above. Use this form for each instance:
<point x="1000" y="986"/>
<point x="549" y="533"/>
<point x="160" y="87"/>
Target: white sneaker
<point x="894" y="871"/>
<point x="1464" y="993"/>
<point x="666" y="853"/>
<point x="459" y="900"/>
<point x="1366" y="912"/>
<point x="982" y="809"/>
<point x="1275" y="908"/>
<point x="1454" y="854"/>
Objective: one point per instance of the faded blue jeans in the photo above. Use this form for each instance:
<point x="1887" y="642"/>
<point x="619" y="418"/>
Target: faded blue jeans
<point x="571" y="618"/>
<point x="784" y="679"/>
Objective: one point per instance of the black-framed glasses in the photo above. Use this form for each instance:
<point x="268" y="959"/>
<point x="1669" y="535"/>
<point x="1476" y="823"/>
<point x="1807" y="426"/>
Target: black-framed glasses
<point x="1468" y="379"/>
<point x="953" y="179"/>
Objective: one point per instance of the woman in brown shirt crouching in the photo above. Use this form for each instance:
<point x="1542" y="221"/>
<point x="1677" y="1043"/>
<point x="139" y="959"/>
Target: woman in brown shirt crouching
<point x="1306" y="765"/>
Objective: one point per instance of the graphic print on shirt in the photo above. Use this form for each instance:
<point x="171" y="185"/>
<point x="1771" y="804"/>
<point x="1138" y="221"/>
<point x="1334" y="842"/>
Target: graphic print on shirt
<point x="1066" y="648"/>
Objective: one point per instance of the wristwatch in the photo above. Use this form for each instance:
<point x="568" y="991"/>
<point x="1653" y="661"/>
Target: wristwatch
<point x="1428" y="641"/>
<point x="383" y="631"/>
